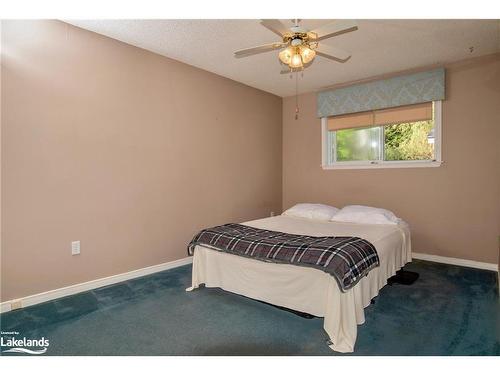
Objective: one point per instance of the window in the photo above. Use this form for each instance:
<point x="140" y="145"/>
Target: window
<point x="408" y="136"/>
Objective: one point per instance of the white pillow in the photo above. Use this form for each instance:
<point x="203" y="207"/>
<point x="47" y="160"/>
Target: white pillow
<point x="365" y="215"/>
<point x="313" y="211"/>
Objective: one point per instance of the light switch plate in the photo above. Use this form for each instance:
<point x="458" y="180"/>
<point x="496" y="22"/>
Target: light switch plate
<point x="75" y="247"/>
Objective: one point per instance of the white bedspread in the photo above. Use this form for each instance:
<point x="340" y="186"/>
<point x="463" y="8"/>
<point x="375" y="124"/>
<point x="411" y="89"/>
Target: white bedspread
<point x="307" y="289"/>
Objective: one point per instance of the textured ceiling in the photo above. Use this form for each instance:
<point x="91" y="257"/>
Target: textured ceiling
<point x="377" y="47"/>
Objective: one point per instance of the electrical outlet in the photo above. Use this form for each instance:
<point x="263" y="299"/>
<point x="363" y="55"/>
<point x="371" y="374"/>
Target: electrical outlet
<point x="272" y="213"/>
<point x="75" y="247"/>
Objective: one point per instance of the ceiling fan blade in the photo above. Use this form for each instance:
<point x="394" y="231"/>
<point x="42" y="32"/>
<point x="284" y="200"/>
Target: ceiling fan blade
<point x="334" y="28"/>
<point x="333" y="53"/>
<point x="255" y="50"/>
<point x="275" y="26"/>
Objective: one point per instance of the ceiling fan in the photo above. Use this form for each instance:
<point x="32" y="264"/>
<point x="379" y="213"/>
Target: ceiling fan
<point x="299" y="46"/>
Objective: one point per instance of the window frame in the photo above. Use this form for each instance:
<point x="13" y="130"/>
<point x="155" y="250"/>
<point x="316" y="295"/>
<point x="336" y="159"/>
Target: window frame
<point x="328" y="163"/>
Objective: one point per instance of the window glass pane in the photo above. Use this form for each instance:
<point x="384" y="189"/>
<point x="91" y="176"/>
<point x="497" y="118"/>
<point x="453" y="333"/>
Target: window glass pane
<point x="409" y="141"/>
<point x="358" y="144"/>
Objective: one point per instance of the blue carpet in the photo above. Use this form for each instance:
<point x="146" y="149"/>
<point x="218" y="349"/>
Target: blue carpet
<point x="449" y="311"/>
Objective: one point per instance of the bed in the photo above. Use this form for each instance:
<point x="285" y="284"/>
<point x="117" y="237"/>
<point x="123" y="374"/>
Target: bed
<point x="306" y="289"/>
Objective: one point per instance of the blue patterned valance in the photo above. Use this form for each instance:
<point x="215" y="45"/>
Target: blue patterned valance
<point x="393" y="92"/>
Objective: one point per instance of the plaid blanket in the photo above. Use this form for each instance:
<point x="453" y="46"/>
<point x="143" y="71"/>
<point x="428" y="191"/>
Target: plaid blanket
<point x="347" y="259"/>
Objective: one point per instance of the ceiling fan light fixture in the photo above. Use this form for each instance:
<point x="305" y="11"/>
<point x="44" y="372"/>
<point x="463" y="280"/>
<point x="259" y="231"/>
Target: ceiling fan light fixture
<point x="296" y="61"/>
<point x="296" y="57"/>
<point x="286" y="55"/>
<point x="307" y="54"/>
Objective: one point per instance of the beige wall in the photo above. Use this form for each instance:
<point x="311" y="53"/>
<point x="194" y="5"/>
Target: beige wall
<point x="128" y="151"/>
<point x="453" y="210"/>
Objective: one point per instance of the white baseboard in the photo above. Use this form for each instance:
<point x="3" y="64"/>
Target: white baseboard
<point x="457" y="261"/>
<point x="93" y="284"/>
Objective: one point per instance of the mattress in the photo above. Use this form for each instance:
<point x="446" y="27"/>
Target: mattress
<point x="307" y="289"/>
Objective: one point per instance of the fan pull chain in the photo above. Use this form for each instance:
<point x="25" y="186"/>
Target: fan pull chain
<point x="296" y="95"/>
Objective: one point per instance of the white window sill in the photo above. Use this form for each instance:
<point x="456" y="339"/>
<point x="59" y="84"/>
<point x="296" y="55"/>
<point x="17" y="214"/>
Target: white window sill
<point x="394" y="164"/>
